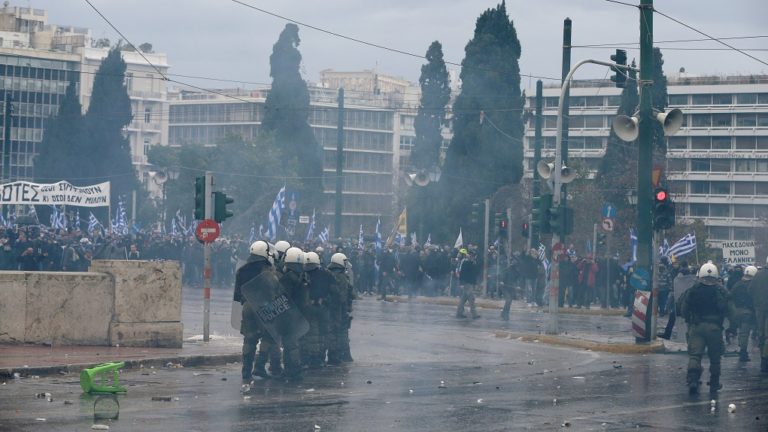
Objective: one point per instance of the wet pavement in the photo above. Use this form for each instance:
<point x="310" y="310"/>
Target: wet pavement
<point x="416" y="368"/>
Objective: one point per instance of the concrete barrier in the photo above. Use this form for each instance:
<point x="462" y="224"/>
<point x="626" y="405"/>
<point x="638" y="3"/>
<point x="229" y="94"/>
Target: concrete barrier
<point x="130" y="303"/>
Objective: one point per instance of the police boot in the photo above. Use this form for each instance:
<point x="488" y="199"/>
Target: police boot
<point x="693" y="381"/>
<point x="743" y="356"/>
<point x="247" y="367"/>
<point x="260" y="368"/>
<point x="714" y="384"/>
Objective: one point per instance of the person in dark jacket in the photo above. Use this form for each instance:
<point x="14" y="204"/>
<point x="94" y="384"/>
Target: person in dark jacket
<point x="467" y="272"/>
<point x="744" y="321"/>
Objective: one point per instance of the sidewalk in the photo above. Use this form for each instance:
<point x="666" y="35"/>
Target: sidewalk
<point x="31" y="360"/>
<point x="621" y="342"/>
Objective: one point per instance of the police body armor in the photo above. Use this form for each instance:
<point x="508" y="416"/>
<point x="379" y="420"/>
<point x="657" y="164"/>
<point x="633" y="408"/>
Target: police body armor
<point x="273" y="307"/>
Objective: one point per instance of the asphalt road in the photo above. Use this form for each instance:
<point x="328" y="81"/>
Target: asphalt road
<point x="403" y="352"/>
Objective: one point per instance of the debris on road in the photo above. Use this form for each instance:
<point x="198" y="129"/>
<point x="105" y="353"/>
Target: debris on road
<point x="40" y="419"/>
<point x="442" y="385"/>
<point x="100" y="427"/>
<point x="161" y="398"/>
<point x="732" y="408"/>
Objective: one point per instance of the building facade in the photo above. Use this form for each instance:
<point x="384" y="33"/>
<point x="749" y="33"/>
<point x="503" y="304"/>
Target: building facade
<point x="717" y="163"/>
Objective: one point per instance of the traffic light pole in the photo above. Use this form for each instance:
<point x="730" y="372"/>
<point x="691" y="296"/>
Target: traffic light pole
<point x="533" y="233"/>
<point x="486" y="228"/>
<point x="557" y="184"/>
<point x="645" y="150"/>
<point x="207" y="261"/>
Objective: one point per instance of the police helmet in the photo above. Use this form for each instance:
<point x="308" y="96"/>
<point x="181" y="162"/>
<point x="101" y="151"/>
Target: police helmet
<point x="312" y="261"/>
<point x="260" y="248"/>
<point x="339" y="259"/>
<point x="319" y="249"/>
<point x="282" y="246"/>
<point x="708" y="273"/>
<point x="294" y="255"/>
<point x="749" y="272"/>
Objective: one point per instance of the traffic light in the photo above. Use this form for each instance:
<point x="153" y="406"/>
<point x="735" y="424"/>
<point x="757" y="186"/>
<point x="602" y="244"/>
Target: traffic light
<point x="220" y="201"/>
<point x="620" y="77"/>
<point x="663" y="210"/>
<point x="200" y="194"/>
<point x="474" y="216"/>
<point x="540" y="215"/>
<point x="525" y="230"/>
<point x="503" y="227"/>
<point x="601" y="239"/>
<point x="561" y="220"/>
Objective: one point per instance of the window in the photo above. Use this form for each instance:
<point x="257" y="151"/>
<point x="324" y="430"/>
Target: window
<point x="593" y="143"/>
<point x="721" y="233"/>
<point x="741" y="233"/>
<point x="677" y="165"/>
<point x="721" y="143"/>
<point x="614" y="101"/>
<point x="700" y="143"/>
<point x="745" y="143"/>
<point x="746" y="120"/>
<point x="147" y="115"/>
<point x="762" y="119"/>
<point x="761" y="166"/>
<point x="723" y="120"/>
<point x="762" y="143"/>
<point x="146" y="146"/>
<point x="678" y="99"/>
<point x="594" y="101"/>
<point x="719" y="210"/>
<point x="746" y="98"/>
<point x="578" y="101"/>
<point x="720" y="188"/>
<point x="677" y="143"/>
<point x="720" y="165"/>
<point x="722" y="99"/>
<point x="744" y="188"/>
<point x="701" y="210"/>
<point x="701" y="120"/>
<point x="128" y="81"/>
<point x="762" y="99"/>
<point x="702" y="99"/>
<point x="699" y="187"/>
<point x="700" y="165"/>
<point x="743" y="211"/>
<point x="745" y="165"/>
<point x="593" y="122"/>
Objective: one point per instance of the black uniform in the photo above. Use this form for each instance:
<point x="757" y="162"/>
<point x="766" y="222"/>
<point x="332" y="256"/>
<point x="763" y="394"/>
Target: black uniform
<point x="249" y="326"/>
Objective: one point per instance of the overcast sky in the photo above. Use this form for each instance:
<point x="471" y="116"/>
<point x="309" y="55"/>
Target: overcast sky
<point x="223" y="39"/>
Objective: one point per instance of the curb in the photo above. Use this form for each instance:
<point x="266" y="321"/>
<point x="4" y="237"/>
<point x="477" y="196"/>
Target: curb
<point x="487" y="304"/>
<point x="157" y="362"/>
<point x="614" y="348"/>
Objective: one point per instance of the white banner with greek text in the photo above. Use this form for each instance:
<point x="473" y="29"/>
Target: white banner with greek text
<point x="61" y="193"/>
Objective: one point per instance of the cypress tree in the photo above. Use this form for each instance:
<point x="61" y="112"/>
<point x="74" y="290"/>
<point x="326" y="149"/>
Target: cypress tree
<point x="486" y="152"/>
<point x="286" y="113"/>
<point x="107" y="155"/>
<point x="60" y="152"/>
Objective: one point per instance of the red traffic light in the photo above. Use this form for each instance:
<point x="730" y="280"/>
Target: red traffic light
<point x="661" y="195"/>
<point x="503" y="224"/>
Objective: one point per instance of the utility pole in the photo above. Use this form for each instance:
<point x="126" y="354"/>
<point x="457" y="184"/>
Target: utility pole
<point x="208" y="179"/>
<point x="486" y="228"/>
<point x="567" y="26"/>
<point x="339" y="164"/>
<point x="645" y="152"/>
<point x="533" y="234"/>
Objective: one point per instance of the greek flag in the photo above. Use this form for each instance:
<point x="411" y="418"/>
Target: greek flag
<point x="633" y="240"/>
<point x="2" y="221"/>
<point x="93" y="223"/>
<point x="360" y="241"/>
<point x="428" y="243"/>
<point x="174" y="231"/>
<point x="399" y="239"/>
<point x="323" y="236"/>
<point x="54" y="217"/>
<point x="77" y="219"/>
<point x="378" y="236"/>
<point x="252" y="236"/>
<point x="664" y="248"/>
<point x="413" y="239"/>
<point x="543" y="257"/>
<point x="274" y="214"/>
<point x="11" y="219"/>
<point x="181" y="221"/>
<point x="311" y="229"/>
<point x="261" y="231"/>
<point x="685" y="245"/>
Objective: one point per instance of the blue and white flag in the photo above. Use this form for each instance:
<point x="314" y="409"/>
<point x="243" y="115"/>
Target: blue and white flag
<point x="360" y="240"/>
<point x="589" y="246"/>
<point x="311" y="229"/>
<point x="261" y="231"/>
<point x="664" y="248"/>
<point x="543" y="257"/>
<point x="54" y="217"/>
<point x="2" y="221"/>
<point x="11" y="219"/>
<point x="428" y="243"/>
<point x="323" y="236"/>
<point x="399" y="240"/>
<point x="378" y="236"/>
<point x="413" y="239"/>
<point x="174" y="231"/>
<point x="181" y="221"/>
<point x="62" y="223"/>
<point x="77" y="220"/>
<point x="685" y="245"/>
<point x="275" y="214"/>
<point x="93" y="223"/>
<point x="633" y="241"/>
<point x="252" y="236"/>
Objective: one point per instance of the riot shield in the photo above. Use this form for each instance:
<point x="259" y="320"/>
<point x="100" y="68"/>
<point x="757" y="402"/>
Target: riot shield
<point x="680" y="285"/>
<point x="236" y="315"/>
<point x="274" y="309"/>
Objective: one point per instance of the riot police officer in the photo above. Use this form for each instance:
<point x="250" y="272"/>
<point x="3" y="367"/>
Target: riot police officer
<point x="745" y="312"/>
<point x="758" y="290"/>
<point x="704" y="306"/>
<point x="258" y="261"/>
<point x="321" y="284"/>
<point x="340" y="309"/>
<point x="295" y="284"/>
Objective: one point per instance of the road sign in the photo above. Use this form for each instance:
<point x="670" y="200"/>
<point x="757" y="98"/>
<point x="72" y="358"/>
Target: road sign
<point x="609" y="211"/>
<point x="607" y="224"/>
<point x="207" y="230"/>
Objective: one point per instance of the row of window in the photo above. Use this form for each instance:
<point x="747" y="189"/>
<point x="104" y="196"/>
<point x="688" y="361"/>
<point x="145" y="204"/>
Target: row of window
<point x="178" y="135"/>
<point x="353" y="118"/>
<point x="678" y="166"/>
<point x="719" y="99"/>
<point x="718" y="143"/>
<point x="361" y="183"/>
<point x="23" y="133"/>
<point x="359" y="161"/>
<point x="724" y="233"/>
<point x="581" y="101"/>
<point x="34" y="97"/>
<point x="353" y="139"/>
<point x="33" y="85"/>
<point x="574" y="143"/>
<point x="727" y="120"/>
<point x="28" y="71"/>
<point x="704" y="187"/>
<point x="742" y="211"/>
<point x="216" y="113"/>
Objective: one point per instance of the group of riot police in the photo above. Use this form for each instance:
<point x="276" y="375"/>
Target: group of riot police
<point x="707" y="304"/>
<point x="296" y="311"/>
